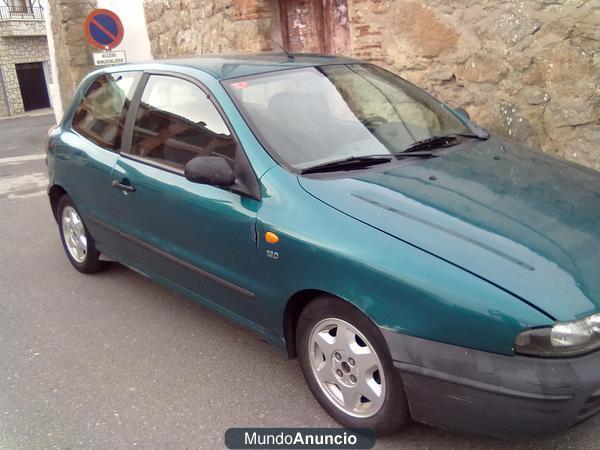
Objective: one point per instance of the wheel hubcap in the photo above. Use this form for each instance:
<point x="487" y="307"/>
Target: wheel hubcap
<point x="74" y="234"/>
<point x="347" y="368"/>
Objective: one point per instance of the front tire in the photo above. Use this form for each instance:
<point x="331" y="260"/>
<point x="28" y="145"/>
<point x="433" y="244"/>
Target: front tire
<point x="348" y="368"/>
<point x="79" y="246"/>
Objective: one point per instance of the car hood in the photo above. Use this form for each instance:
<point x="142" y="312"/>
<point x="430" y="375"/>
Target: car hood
<point x="520" y="219"/>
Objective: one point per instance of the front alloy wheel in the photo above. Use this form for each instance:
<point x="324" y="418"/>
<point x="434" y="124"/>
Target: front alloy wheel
<point x="348" y="367"/>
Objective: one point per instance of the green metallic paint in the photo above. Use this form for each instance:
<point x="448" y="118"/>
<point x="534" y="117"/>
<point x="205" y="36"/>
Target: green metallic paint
<point x="196" y="223"/>
<point x="463" y="249"/>
<point x="83" y="170"/>
<point x="399" y="286"/>
<point x="518" y="218"/>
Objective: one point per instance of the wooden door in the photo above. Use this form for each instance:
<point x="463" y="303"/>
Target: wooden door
<point x="315" y="26"/>
<point x="32" y="84"/>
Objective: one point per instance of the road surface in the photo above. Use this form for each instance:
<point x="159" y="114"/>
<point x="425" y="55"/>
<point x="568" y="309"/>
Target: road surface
<point x="114" y="360"/>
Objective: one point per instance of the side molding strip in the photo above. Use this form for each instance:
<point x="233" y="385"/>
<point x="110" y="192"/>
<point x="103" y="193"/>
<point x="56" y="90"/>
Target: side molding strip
<point x="174" y="259"/>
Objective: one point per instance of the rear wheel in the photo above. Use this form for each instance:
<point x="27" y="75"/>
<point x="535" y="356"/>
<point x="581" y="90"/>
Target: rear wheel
<point x="348" y="368"/>
<point x="77" y="242"/>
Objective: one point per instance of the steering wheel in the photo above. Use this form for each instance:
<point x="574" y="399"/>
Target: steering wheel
<point x="374" y="121"/>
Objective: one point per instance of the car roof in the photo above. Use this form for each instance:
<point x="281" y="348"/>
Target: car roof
<point x="245" y="64"/>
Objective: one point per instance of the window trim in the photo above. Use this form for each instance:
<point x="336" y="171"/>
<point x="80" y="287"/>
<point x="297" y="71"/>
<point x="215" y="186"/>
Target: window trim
<point x="246" y="180"/>
<point x="138" y="73"/>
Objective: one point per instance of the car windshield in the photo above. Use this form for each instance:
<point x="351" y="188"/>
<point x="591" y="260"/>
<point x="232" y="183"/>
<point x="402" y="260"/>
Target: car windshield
<point x="315" y="115"/>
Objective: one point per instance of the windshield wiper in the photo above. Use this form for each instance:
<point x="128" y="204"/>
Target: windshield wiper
<point x="435" y="142"/>
<point x="361" y="162"/>
<point x="353" y="162"/>
<point x="422" y="149"/>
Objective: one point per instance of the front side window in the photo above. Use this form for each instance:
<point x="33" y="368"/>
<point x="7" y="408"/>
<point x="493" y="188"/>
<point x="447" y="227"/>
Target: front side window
<point x="176" y="122"/>
<point x="100" y="117"/>
<point x="315" y="115"/>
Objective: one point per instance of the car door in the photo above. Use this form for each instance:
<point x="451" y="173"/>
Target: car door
<point x="94" y="141"/>
<point x="200" y="237"/>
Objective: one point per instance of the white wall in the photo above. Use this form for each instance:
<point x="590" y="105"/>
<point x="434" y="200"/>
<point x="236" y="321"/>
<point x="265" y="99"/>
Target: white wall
<point x="136" y="43"/>
<point x="52" y="77"/>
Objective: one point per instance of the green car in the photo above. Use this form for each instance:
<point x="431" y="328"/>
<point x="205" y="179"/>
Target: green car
<point x="417" y="266"/>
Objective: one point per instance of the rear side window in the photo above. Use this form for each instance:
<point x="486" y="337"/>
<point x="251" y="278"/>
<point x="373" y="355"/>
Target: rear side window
<point x="100" y="117"/>
<point x="176" y="122"/>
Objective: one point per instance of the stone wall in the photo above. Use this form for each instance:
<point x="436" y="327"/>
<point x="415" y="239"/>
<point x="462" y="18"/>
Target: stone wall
<point x="72" y="52"/>
<point x="527" y="69"/>
<point x="4" y="109"/>
<point x="22" y="27"/>
<point x="18" y="50"/>
<point x="187" y="27"/>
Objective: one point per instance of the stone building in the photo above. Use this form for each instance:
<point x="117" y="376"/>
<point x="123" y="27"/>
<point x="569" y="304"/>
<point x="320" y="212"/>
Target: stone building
<point x="526" y="69"/>
<point x="24" y="68"/>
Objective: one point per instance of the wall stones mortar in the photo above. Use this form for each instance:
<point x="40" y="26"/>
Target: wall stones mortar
<point x="22" y="27"/>
<point x="4" y="108"/>
<point x="17" y="50"/>
<point x="72" y="52"/>
<point x="211" y="26"/>
<point x="529" y="70"/>
<point x="526" y="69"/>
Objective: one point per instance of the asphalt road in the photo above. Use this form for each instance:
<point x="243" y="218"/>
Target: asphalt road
<point x="114" y="360"/>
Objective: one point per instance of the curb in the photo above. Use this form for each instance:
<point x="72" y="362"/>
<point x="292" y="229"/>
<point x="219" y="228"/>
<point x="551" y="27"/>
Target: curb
<point x="35" y="113"/>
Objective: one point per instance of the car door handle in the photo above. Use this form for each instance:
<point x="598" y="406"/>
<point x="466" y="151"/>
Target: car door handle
<point x="123" y="187"/>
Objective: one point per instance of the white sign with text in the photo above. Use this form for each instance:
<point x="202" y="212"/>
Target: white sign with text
<point x="109" y="58"/>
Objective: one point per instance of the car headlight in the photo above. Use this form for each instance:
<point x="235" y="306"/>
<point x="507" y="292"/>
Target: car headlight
<point x="562" y="339"/>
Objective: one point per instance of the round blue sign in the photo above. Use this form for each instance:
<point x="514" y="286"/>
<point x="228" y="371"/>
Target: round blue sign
<point x="103" y="29"/>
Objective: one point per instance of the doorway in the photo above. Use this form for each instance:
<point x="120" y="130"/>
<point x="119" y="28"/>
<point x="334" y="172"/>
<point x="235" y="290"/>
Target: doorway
<point x="315" y="26"/>
<point x="32" y="84"/>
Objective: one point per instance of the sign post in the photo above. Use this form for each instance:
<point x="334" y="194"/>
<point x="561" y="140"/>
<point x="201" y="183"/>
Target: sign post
<point x="104" y="29"/>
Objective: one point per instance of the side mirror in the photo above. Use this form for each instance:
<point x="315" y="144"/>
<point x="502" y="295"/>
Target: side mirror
<point x="212" y="170"/>
<point x="462" y="112"/>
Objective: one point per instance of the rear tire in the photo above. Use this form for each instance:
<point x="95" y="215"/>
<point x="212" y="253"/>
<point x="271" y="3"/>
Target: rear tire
<point x="79" y="245"/>
<point x="347" y="366"/>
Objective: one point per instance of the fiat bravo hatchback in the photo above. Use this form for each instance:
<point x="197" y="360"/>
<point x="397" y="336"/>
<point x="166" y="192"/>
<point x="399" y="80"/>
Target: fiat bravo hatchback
<point x="417" y="266"/>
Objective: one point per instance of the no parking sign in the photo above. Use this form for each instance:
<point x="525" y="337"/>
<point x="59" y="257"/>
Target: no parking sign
<point x="103" y="29"/>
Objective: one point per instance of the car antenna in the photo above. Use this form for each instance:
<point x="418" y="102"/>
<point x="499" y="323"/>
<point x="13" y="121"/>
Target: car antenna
<point x="288" y="54"/>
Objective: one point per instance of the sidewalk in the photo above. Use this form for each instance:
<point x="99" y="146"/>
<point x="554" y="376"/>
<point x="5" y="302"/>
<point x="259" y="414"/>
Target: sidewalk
<point x="33" y="113"/>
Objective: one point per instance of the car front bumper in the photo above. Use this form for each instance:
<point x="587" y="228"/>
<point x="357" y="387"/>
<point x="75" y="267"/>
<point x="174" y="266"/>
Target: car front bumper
<point x="461" y="389"/>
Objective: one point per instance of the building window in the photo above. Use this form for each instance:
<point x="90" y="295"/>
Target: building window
<point x="19" y="6"/>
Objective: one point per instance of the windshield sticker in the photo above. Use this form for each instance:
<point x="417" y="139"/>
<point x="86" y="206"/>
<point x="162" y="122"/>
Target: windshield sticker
<point x="239" y="85"/>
